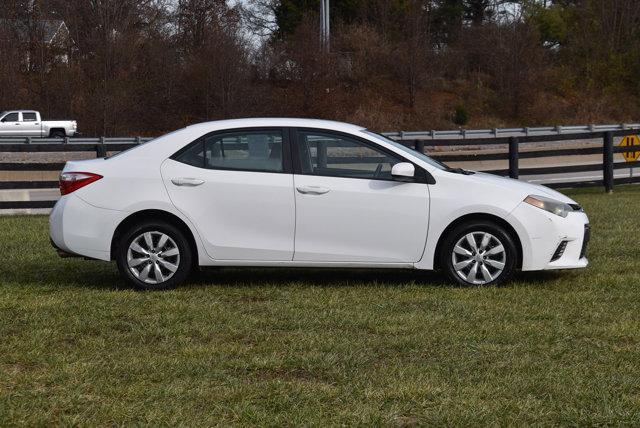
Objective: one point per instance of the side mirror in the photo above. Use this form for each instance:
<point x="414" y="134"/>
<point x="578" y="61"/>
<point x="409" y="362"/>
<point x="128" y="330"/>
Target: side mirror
<point x="403" y="171"/>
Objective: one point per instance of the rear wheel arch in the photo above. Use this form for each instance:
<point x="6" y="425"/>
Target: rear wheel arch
<point x="57" y="132"/>
<point x="470" y="218"/>
<point x="144" y="216"/>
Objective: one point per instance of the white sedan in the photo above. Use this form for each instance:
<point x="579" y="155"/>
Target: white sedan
<point x="306" y="193"/>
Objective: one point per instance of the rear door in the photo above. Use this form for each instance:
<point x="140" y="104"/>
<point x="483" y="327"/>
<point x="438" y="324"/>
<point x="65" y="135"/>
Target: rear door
<point x="10" y="125"/>
<point x="237" y="188"/>
<point x="30" y="125"/>
<point x="349" y="208"/>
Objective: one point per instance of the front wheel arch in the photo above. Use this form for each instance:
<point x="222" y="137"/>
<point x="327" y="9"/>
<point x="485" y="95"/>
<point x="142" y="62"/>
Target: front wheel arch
<point x="479" y="217"/>
<point x="146" y="215"/>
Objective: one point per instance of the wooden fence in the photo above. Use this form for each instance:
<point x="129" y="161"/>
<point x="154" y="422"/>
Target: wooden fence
<point x="607" y="165"/>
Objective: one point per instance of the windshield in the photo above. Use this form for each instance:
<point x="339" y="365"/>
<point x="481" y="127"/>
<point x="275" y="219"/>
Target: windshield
<point x="406" y="149"/>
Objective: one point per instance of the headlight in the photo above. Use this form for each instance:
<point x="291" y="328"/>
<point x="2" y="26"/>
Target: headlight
<point x="548" y="204"/>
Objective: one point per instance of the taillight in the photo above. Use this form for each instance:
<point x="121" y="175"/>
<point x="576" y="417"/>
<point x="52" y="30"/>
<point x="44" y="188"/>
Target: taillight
<point x="72" y="181"/>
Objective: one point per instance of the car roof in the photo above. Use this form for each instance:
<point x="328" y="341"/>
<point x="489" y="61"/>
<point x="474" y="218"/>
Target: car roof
<point x="275" y="121"/>
<point x="167" y="144"/>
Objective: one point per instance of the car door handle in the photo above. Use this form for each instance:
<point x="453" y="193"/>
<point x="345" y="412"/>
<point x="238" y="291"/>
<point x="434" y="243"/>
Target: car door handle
<point x="312" y="190"/>
<point x="188" y="182"/>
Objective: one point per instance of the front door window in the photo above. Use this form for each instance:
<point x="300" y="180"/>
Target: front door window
<point x="333" y="155"/>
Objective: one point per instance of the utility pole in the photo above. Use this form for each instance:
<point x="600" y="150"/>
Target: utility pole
<point x="325" y="26"/>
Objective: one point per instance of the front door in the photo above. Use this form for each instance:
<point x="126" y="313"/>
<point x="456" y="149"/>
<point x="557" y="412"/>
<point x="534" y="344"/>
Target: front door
<point x="10" y="125"/>
<point x="349" y="208"/>
<point x="237" y="189"/>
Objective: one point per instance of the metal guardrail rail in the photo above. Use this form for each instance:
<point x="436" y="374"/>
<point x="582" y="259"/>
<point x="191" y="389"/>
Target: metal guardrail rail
<point x="509" y="132"/>
<point x="74" y="140"/>
<point x="461" y="133"/>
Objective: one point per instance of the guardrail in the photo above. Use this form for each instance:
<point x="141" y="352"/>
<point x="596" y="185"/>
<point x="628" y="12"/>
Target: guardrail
<point x="102" y="146"/>
<point x="510" y="132"/>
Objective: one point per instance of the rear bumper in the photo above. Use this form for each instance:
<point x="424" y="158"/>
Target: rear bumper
<point x="77" y="228"/>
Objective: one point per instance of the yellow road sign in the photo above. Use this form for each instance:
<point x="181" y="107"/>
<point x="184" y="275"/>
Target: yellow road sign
<point x="629" y="141"/>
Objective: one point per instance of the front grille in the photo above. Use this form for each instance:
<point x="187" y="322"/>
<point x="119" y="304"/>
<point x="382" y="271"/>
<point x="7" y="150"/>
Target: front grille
<point x="559" y="251"/>
<point x="585" y="241"/>
<point x="576" y="207"/>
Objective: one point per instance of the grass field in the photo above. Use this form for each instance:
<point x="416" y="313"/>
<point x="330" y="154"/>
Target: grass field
<point x="313" y="347"/>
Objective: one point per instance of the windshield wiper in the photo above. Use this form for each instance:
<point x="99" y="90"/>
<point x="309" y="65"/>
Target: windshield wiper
<point x="460" y="171"/>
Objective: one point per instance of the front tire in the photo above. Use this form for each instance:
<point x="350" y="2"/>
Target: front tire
<point x="154" y="256"/>
<point x="478" y="253"/>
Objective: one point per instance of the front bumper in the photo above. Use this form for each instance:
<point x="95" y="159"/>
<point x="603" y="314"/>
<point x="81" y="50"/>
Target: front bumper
<point x="542" y="233"/>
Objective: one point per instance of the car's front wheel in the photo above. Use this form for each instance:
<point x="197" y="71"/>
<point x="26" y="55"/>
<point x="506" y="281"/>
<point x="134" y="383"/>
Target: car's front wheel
<point x="154" y="256"/>
<point x="479" y="253"/>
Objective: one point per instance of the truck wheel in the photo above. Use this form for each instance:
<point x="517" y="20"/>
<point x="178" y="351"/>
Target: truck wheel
<point x="57" y="134"/>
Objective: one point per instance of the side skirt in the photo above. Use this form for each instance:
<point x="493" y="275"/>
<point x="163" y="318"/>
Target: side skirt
<point x="267" y="263"/>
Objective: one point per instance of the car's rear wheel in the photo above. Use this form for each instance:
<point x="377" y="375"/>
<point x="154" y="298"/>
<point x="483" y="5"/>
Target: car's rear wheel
<point x="57" y="134"/>
<point x="479" y="253"/>
<point x="154" y="256"/>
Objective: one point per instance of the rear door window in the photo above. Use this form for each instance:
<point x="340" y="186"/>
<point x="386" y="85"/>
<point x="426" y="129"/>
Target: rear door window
<point x="259" y="151"/>
<point x="29" y="117"/>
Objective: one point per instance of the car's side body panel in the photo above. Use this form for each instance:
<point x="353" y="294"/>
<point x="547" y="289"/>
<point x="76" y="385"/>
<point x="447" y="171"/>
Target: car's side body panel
<point x="240" y="215"/>
<point x="129" y="186"/>
<point x="360" y="220"/>
<point x="456" y="195"/>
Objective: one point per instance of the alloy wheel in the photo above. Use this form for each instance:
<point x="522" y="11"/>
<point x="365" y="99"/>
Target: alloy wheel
<point x="153" y="257"/>
<point x="478" y="258"/>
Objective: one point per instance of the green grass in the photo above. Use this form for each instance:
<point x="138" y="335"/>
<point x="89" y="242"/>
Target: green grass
<point x="315" y="347"/>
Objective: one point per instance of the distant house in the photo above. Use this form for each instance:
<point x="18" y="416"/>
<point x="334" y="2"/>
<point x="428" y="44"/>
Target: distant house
<point x="55" y="31"/>
<point x="52" y="34"/>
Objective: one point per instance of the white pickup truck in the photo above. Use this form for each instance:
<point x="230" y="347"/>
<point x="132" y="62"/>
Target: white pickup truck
<point x="27" y="123"/>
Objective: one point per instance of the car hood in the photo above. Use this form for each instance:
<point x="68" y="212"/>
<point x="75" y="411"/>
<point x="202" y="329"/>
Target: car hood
<point x="522" y="186"/>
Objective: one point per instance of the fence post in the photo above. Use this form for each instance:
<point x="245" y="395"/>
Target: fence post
<point x="513" y="157"/>
<point x="607" y="161"/>
<point x="419" y="146"/>
<point x="101" y="150"/>
<point x="322" y="154"/>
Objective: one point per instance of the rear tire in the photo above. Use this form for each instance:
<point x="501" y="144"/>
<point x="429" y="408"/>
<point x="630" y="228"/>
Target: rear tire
<point x="57" y="134"/>
<point x="478" y="253"/>
<point x="154" y="255"/>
